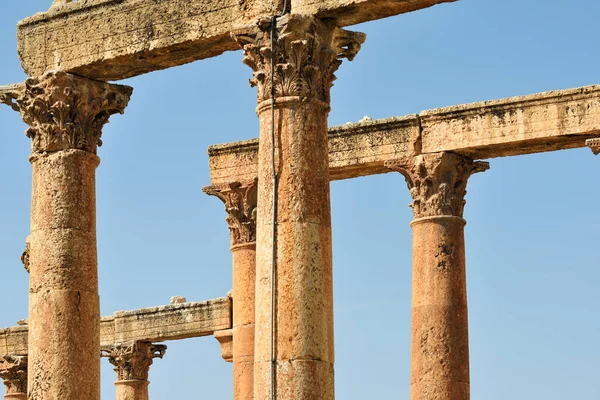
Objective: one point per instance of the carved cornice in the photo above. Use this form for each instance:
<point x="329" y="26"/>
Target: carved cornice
<point x="13" y="371"/>
<point x="65" y="111"/>
<point x="307" y="52"/>
<point x="593" y="144"/>
<point x="132" y="360"/>
<point x="240" y="204"/>
<point x="438" y="182"/>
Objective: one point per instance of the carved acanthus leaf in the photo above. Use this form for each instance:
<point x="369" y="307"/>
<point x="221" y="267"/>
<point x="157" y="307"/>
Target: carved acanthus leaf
<point x="240" y="204"/>
<point x="13" y="371"/>
<point x="65" y="111"/>
<point x="437" y="182"/>
<point x="306" y="54"/>
<point x="132" y="360"/>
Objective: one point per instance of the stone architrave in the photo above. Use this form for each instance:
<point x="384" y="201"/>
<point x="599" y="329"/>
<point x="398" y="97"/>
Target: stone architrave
<point x="132" y="363"/>
<point x="440" y="341"/>
<point x="305" y="54"/>
<point x="240" y="205"/>
<point x="13" y="371"/>
<point x="65" y="114"/>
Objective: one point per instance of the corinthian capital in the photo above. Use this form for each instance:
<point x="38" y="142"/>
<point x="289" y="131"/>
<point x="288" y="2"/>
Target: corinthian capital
<point x="240" y="204"/>
<point x="438" y="182"/>
<point x="65" y="111"/>
<point x="132" y="360"/>
<point x="305" y="55"/>
<point x="13" y="371"/>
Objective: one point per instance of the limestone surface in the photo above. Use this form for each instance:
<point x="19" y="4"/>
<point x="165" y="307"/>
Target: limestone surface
<point x="555" y="120"/>
<point x="118" y="39"/>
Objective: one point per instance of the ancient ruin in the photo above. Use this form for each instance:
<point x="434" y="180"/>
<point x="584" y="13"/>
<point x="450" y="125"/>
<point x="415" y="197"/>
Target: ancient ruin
<point x="276" y="326"/>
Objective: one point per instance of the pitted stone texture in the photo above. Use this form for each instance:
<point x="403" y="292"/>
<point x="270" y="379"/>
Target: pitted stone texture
<point x="65" y="114"/>
<point x="438" y="182"/>
<point x="306" y="54"/>
<point x="118" y="39"/>
<point x="440" y="340"/>
<point x="556" y="120"/>
<point x="170" y="322"/>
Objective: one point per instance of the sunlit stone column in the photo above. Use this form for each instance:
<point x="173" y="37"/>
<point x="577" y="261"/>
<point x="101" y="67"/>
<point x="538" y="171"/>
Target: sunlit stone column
<point x="132" y="363"/>
<point x="440" y="340"/>
<point x="240" y="205"/>
<point x="13" y="371"/>
<point x="306" y="54"/>
<point x="65" y="114"/>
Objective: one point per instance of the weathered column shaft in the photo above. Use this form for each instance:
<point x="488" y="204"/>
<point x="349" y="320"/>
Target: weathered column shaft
<point x="440" y="340"/>
<point x="132" y="363"/>
<point x="65" y="114"/>
<point x="306" y="54"/>
<point x="13" y="371"/>
<point x="240" y="204"/>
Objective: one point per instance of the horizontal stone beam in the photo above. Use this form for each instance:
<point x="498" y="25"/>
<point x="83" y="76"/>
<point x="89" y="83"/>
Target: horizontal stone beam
<point x="536" y="123"/>
<point x="118" y="39"/>
<point x="155" y="324"/>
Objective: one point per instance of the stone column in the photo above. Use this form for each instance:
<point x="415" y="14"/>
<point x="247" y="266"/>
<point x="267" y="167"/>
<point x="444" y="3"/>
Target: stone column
<point x="240" y="204"/>
<point x="132" y="362"/>
<point x="65" y="114"/>
<point x="306" y="53"/>
<point x="440" y="341"/>
<point x="13" y="371"/>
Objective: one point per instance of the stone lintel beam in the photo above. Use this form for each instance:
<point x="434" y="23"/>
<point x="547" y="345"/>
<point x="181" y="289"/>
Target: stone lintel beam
<point x="118" y="39"/>
<point x="154" y="324"/>
<point x="548" y="121"/>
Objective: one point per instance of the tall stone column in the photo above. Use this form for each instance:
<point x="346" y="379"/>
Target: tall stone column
<point x="305" y="55"/>
<point x="65" y="114"/>
<point x="13" y="371"/>
<point x="132" y="363"/>
<point x="240" y="204"/>
<point x="440" y="340"/>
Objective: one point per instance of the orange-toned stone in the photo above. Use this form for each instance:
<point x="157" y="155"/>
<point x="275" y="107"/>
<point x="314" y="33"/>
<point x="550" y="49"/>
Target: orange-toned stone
<point x="306" y="52"/>
<point x="132" y="363"/>
<point x="65" y="115"/>
<point x="240" y="204"/>
<point x="440" y="340"/>
<point x="13" y="371"/>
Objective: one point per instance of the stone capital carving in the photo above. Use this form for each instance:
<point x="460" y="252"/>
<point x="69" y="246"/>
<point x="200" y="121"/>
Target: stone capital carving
<point x="437" y="182"/>
<point x="13" y="371"/>
<point x="593" y="144"/>
<point x="132" y="360"/>
<point x="240" y="204"/>
<point x="306" y="54"/>
<point x="65" y="111"/>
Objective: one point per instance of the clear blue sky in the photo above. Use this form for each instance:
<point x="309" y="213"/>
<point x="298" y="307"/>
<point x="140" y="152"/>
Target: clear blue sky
<point x="533" y="221"/>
